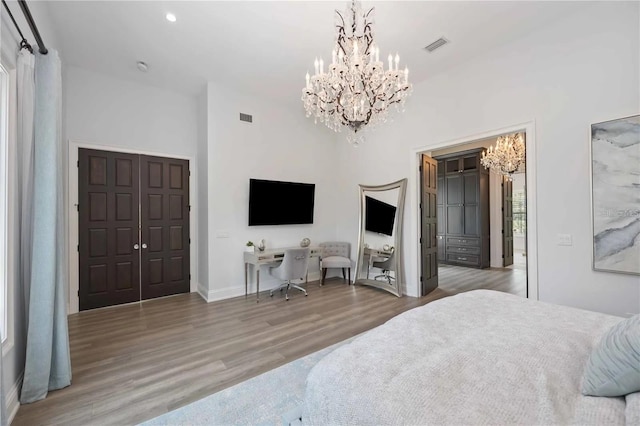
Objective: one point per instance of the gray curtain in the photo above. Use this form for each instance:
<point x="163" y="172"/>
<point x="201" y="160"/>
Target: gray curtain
<point x="26" y="96"/>
<point x="48" y="364"/>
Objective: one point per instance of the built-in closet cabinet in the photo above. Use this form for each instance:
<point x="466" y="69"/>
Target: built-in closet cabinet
<point x="463" y="210"/>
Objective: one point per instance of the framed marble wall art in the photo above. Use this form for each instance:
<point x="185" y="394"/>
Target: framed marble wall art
<point x="615" y="185"/>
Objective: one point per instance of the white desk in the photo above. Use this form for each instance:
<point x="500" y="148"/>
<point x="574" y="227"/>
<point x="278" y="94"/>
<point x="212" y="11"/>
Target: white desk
<point x="267" y="257"/>
<point x="370" y="253"/>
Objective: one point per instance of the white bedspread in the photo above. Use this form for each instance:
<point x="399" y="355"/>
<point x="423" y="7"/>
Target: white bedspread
<point x="481" y="357"/>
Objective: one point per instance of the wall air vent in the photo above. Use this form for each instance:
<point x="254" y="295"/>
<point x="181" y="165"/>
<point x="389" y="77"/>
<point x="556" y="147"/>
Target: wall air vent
<point x="246" y="117"/>
<point x="436" y="44"/>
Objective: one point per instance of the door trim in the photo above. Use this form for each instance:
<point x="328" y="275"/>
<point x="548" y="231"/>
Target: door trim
<point x="73" y="302"/>
<point x="413" y="229"/>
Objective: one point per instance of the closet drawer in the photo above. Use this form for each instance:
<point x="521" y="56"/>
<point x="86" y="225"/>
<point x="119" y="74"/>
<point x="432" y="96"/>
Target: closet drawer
<point x="463" y="241"/>
<point x="465" y="259"/>
<point x="463" y="250"/>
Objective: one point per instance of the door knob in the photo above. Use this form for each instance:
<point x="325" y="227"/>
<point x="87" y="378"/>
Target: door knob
<point x="144" y="245"/>
<point x="136" y="246"/>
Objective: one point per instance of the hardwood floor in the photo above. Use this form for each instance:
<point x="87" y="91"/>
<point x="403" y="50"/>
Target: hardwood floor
<point x="132" y="363"/>
<point x="456" y="279"/>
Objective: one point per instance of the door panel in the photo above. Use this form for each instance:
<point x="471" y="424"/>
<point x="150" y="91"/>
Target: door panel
<point x="507" y="221"/>
<point x="429" y="244"/>
<point x="164" y="194"/>
<point x="108" y="220"/>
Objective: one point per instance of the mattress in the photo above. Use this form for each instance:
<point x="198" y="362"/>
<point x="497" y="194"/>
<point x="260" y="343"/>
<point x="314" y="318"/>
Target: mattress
<point x="481" y="357"/>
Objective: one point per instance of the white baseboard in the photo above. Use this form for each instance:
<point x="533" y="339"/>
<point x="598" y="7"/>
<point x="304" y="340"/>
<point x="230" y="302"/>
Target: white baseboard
<point x="230" y="292"/>
<point x="13" y="400"/>
<point x="202" y="291"/>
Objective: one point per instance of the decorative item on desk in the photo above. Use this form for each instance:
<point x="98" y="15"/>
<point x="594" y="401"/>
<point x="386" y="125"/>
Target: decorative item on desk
<point x="305" y="242"/>
<point x="387" y="247"/>
<point x="261" y="245"/>
<point x="249" y="247"/>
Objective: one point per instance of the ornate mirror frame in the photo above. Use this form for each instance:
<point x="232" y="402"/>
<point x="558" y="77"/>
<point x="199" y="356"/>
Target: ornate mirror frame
<point x="399" y="282"/>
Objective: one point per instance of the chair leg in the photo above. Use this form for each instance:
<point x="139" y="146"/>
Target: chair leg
<point x="344" y="276"/>
<point x="299" y="288"/>
<point x="349" y="282"/>
<point x="324" y="276"/>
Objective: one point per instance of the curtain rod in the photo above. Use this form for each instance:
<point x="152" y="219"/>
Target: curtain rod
<point x="24" y="44"/>
<point x="34" y="29"/>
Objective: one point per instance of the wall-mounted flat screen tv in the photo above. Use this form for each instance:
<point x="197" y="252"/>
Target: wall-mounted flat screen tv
<point x="280" y="203"/>
<point x="379" y="216"/>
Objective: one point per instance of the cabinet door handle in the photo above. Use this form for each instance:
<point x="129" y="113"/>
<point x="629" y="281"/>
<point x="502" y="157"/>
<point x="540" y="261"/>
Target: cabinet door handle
<point x="136" y="246"/>
<point x="144" y="245"/>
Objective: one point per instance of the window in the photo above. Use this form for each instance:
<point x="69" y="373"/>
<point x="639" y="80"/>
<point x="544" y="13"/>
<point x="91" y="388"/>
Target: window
<point x="519" y="212"/>
<point x="4" y="189"/>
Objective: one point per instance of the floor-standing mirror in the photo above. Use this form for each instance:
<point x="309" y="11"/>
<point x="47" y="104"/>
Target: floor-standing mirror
<point x="380" y="262"/>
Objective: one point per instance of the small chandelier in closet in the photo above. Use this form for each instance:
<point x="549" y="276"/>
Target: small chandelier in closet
<point x="354" y="90"/>
<point x="507" y="156"/>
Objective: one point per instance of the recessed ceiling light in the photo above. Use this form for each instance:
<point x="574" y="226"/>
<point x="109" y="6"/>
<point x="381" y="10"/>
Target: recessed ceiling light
<point x="171" y="17"/>
<point x="142" y="66"/>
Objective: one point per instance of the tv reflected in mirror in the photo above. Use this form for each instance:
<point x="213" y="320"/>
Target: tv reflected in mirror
<point x="379" y="216"/>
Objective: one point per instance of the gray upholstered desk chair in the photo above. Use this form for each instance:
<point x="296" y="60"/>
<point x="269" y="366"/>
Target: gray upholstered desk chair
<point x="387" y="265"/>
<point x="293" y="267"/>
<point x="335" y="254"/>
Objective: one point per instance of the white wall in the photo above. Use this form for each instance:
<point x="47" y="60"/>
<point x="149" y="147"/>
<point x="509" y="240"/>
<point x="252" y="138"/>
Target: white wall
<point x="579" y="70"/>
<point x="203" y="192"/>
<point x="280" y="144"/>
<point x="108" y="113"/>
<point x="114" y="112"/>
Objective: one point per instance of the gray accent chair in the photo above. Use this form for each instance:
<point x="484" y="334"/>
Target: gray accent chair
<point x="293" y="267"/>
<point x="387" y="265"/>
<point x="335" y="254"/>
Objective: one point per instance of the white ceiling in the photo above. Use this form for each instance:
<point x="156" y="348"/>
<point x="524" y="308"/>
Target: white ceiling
<point x="266" y="47"/>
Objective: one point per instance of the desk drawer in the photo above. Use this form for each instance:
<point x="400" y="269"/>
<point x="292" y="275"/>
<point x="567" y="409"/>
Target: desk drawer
<point x="465" y="259"/>
<point x="463" y="250"/>
<point x="463" y="241"/>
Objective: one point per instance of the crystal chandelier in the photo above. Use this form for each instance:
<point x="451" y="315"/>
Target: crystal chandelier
<point x="507" y="156"/>
<point x="355" y="91"/>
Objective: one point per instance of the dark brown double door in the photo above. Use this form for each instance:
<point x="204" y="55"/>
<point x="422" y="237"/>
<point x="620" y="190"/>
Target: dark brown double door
<point x="133" y="227"/>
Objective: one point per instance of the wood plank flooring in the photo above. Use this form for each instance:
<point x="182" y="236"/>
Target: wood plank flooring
<point x="132" y="363"/>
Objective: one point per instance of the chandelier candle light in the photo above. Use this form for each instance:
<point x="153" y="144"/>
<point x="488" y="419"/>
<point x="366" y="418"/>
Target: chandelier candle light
<point x="507" y="156"/>
<point x="355" y="90"/>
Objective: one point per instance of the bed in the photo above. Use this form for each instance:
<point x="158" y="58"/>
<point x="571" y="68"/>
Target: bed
<point x="481" y="357"/>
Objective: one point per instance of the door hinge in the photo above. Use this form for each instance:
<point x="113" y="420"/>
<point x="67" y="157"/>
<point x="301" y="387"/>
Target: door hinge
<point x="189" y="240"/>
<point x="78" y="247"/>
<point x="78" y="293"/>
<point x="420" y="278"/>
<point x="420" y="168"/>
<point x="78" y="207"/>
<point x="420" y="240"/>
<point x="503" y="256"/>
<point x="189" y="172"/>
<point x="189" y="277"/>
<point x="78" y="163"/>
<point x="502" y="231"/>
<point x="189" y="208"/>
<point x="420" y="206"/>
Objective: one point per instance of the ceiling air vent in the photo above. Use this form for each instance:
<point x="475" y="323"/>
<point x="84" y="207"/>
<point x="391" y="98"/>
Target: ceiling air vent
<point x="246" y="117"/>
<point x="436" y="44"/>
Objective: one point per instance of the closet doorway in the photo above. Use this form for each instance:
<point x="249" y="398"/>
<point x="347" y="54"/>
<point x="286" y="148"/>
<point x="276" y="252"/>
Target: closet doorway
<point x="133" y="227"/>
<point x="480" y="232"/>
